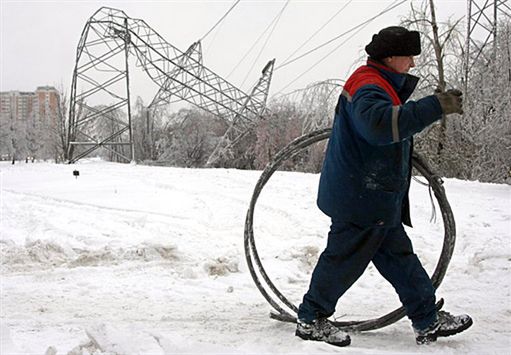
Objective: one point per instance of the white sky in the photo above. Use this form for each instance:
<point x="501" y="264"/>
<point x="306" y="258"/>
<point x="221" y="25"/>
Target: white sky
<point x="38" y="39"/>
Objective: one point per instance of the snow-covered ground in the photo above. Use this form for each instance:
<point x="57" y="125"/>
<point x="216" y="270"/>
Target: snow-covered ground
<point x="132" y="259"/>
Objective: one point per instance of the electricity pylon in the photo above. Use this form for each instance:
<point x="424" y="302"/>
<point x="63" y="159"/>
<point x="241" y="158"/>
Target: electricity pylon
<point x="101" y="71"/>
<point x="482" y="20"/>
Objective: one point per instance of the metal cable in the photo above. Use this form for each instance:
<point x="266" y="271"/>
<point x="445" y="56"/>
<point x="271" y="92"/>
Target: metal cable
<point x="275" y="23"/>
<point x="358" y="28"/>
<point x="318" y="30"/>
<point x="322" y="59"/>
<point x="390" y="7"/>
<point x="253" y="45"/>
<point x="221" y="19"/>
<point x="252" y="256"/>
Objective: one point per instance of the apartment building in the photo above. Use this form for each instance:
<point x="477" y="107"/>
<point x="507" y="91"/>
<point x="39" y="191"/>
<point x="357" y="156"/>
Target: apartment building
<point x="41" y="104"/>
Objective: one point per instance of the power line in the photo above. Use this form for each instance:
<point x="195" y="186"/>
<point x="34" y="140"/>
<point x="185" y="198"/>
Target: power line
<point x="322" y="59"/>
<point x="390" y="7"/>
<point x="255" y="43"/>
<point x="221" y="19"/>
<point x="333" y="82"/>
<point x="358" y="28"/>
<point x="317" y="31"/>
<point x="212" y="40"/>
<point x="266" y="42"/>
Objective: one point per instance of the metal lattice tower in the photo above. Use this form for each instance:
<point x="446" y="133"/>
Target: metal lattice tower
<point x="102" y="70"/>
<point x="482" y="17"/>
<point x="242" y="124"/>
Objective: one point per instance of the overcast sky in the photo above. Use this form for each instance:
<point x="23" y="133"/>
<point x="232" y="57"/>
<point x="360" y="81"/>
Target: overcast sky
<point x="38" y="39"/>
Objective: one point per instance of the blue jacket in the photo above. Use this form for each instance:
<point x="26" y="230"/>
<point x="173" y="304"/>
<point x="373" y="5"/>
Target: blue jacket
<point x="367" y="168"/>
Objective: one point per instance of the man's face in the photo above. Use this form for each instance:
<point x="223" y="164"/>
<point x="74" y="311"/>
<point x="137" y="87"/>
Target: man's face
<point x="401" y="64"/>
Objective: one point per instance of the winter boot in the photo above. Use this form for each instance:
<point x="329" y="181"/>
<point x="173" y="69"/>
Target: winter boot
<point x="322" y="330"/>
<point x="444" y="326"/>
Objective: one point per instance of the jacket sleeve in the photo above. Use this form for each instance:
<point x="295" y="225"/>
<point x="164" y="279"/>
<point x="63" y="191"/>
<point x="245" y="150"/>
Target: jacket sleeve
<point x="380" y="122"/>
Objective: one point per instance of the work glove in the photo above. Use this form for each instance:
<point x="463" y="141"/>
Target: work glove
<point x="450" y="101"/>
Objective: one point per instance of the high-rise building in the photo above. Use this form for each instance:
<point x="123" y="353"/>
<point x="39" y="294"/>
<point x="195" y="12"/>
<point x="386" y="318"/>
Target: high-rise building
<point x="46" y="102"/>
<point x="41" y="105"/>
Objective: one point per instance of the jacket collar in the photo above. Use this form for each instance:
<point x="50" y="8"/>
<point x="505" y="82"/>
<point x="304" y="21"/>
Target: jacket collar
<point x="404" y="84"/>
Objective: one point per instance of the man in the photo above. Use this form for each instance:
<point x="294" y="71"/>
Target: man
<point x="364" y="189"/>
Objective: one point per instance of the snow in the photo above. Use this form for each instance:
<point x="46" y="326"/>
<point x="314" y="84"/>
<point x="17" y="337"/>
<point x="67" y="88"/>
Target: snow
<point x="130" y="259"/>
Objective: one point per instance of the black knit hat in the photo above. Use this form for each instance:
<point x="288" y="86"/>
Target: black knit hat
<point x="394" y="41"/>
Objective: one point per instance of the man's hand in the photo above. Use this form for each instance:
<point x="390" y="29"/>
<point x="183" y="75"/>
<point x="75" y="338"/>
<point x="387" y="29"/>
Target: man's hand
<point x="451" y="101"/>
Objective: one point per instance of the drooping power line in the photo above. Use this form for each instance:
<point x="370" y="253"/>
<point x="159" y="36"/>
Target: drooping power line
<point x="317" y="31"/>
<point x="357" y="29"/>
<point x="390" y="7"/>
<point x="221" y="19"/>
<point x="266" y="42"/>
<point x="256" y="41"/>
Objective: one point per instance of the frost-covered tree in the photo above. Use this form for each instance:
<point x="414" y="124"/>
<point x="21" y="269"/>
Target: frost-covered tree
<point x="5" y="137"/>
<point x="477" y="144"/>
<point x="188" y="137"/>
<point x="275" y="131"/>
<point x="105" y="129"/>
<point x="33" y="138"/>
<point x="307" y="110"/>
<point x="147" y="128"/>
<point x="59" y="132"/>
<point x="19" y="139"/>
<point x="486" y="127"/>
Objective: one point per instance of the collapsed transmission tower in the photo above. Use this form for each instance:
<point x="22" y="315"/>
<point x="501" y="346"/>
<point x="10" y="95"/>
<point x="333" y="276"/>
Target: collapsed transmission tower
<point x="101" y="73"/>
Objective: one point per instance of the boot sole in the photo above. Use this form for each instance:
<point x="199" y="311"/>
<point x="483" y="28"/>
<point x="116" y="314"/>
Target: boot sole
<point x="308" y="337"/>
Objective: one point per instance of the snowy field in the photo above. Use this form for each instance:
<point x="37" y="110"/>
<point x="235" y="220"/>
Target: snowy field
<point x="130" y="259"/>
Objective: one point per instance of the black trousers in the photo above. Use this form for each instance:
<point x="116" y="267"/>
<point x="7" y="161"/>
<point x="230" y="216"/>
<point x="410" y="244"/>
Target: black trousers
<point x="349" y="250"/>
